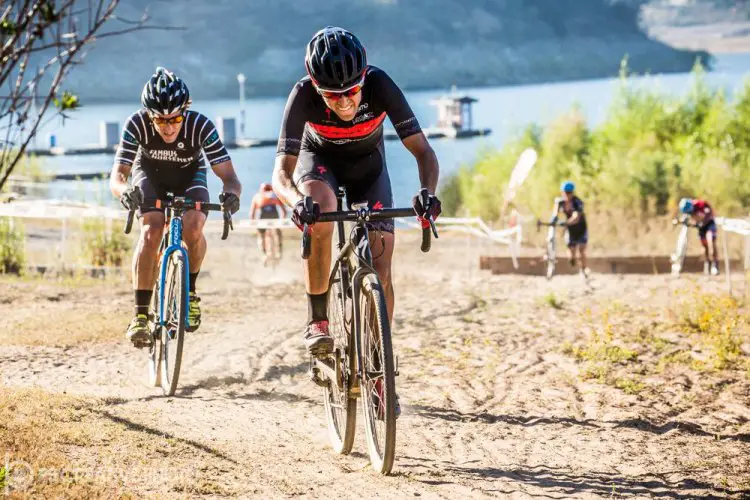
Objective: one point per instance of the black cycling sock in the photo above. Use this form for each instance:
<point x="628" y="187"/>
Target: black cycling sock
<point x="193" y="277"/>
<point x="142" y="301"/>
<point x="317" y="307"/>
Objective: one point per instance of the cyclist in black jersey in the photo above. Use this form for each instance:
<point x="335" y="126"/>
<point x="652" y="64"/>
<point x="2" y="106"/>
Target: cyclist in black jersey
<point x="164" y="145"/>
<point x="332" y="135"/>
<point x="578" y="232"/>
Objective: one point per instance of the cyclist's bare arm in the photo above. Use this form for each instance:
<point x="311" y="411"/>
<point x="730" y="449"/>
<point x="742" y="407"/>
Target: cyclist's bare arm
<point x="282" y="180"/>
<point x="429" y="170"/>
<point x="118" y="179"/>
<point x="574" y="218"/>
<point x="254" y="208"/>
<point x="225" y="171"/>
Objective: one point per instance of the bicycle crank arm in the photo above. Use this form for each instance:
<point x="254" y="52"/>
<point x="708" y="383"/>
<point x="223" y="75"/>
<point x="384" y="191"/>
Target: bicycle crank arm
<point x="329" y="372"/>
<point x="315" y="376"/>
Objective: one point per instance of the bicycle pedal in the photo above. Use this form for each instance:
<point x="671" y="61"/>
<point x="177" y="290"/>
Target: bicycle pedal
<point x="316" y="377"/>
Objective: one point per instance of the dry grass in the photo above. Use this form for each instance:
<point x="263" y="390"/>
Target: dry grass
<point x="626" y="344"/>
<point x="61" y="446"/>
<point x="62" y="313"/>
<point x="37" y="434"/>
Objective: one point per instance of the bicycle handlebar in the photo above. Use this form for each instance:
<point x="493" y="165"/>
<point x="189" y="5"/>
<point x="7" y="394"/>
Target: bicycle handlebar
<point x="684" y="221"/>
<point x="184" y="205"/>
<point x="540" y="223"/>
<point x="356" y="215"/>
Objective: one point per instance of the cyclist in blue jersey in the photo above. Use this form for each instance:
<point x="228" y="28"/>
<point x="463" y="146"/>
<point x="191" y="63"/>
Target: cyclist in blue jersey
<point x="331" y="136"/>
<point x="578" y="233"/>
<point x="163" y="144"/>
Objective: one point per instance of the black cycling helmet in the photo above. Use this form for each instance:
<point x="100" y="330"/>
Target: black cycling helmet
<point x="335" y="59"/>
<point x="164" y="93"/>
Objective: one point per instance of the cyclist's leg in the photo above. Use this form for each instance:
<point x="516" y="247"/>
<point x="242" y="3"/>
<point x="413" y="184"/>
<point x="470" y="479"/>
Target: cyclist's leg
<point x="276" y="242"/>
<point x="152" y="227"/>
<point x="582" y="242"/>
<point x="193" y="221"/>
<point x="145" y="259"/>
<point x="702" y="235"/>
<point x="572" y="252"/>
<point x="375" y="188"/>
<point x="261" y="234"/>
<point x="314" y="178"/>
<point x="584" y="259"/>
<point x="712" y="230"/>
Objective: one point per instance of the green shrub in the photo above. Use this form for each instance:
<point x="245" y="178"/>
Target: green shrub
<point x="12" y="251"/>
<point x="652" y="149"/>
<point x="103" y="244"/>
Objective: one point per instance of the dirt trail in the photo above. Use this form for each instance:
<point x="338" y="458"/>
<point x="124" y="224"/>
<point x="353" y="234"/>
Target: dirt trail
<point x="491" y="407"/>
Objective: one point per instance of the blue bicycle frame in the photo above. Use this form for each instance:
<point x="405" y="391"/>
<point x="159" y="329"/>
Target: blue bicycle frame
<point x="174" y="244"/>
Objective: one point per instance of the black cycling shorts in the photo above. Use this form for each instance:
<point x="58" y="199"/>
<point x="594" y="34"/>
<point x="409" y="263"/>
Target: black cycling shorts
<point x="155" y="185"/>
<point x="364" y="179"/>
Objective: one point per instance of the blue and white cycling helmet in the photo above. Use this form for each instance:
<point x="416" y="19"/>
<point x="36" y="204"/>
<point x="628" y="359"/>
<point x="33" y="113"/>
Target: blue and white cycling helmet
<point x="686" y="206"/>
<point x="567" y="187"/>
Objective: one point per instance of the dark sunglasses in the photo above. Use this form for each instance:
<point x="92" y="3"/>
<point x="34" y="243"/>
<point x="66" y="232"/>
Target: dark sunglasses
<point x="167" y="121"/>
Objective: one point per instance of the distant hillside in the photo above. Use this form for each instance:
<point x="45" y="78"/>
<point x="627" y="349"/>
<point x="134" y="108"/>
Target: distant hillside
<point x="421" y="43"/>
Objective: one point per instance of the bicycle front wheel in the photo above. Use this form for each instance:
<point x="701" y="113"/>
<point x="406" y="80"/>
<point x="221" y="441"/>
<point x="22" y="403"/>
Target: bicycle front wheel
<point x="550" y="261"/>
<point x="173" y="331"/>
<point x="155" y="352"/>
<point x="378" y="376"/>
<point x="341" y="409"/>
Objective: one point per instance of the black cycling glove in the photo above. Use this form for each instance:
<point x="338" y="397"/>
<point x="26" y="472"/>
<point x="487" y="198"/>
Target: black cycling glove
<point x="305" y="212"/>
<point x="431" y="208"/>
<point x="132" y="198"/>
<point x="230" y="201"/>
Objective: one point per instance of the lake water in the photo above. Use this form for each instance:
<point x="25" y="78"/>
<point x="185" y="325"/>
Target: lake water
<point x="505" y="110"/>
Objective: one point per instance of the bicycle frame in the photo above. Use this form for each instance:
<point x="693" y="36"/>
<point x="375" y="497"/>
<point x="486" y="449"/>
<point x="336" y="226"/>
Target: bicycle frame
<point x="358" y="246"/>
<point x="174" y="244"/>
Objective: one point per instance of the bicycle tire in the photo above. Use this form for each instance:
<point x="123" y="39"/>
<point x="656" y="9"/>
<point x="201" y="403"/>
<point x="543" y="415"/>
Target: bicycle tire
<point x="380" y="421"/>
<point x="173" y="333"/>
<point x="155" y="351"/>
<point x="340" y="408"/>
<point x="550" y="261"/>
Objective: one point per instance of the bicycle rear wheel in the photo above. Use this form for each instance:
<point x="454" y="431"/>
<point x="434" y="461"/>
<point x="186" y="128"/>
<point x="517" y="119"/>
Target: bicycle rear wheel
<point x="173" y="331"/>
<point x="340" y="408"/>
<point x="378" y="376"/>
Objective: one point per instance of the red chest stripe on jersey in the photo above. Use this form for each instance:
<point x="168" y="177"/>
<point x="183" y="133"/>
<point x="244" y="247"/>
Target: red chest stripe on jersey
<point x="359" y="130"/>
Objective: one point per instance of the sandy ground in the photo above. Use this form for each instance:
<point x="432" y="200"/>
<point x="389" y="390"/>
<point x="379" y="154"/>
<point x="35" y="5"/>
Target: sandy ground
<point x="492" y="407"/>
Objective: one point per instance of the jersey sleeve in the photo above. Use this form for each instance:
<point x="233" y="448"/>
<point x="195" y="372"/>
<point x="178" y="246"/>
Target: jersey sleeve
<point x="398" y="110"/>
<point x="293" y="122"/>
<point x="211" y="143"/>
<point x="130" y="141"/>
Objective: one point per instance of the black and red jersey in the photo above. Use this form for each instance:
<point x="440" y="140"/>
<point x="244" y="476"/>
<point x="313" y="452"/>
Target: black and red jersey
<point x="310" y="125"/>
<point x="702" y="207"/>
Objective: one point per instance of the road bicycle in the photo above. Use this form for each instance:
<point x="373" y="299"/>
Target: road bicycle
<point x="362" y="364"/>
<point x="168" y="313"/>
<point x="550" y="254"/>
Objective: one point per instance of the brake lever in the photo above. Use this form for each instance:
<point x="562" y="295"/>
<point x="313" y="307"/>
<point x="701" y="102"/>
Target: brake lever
<point x="432" y="226"/>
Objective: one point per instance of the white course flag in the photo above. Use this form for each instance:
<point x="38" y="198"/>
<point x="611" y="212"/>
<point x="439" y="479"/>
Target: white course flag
<point x="523" y="167"/>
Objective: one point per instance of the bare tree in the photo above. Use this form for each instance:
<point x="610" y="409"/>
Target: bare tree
<point x="40" y="42"/>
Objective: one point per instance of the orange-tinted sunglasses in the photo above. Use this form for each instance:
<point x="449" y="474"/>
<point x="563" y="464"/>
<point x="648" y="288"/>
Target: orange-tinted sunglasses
<point x="335" y="95"/>
<point x="167" y="121"/>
